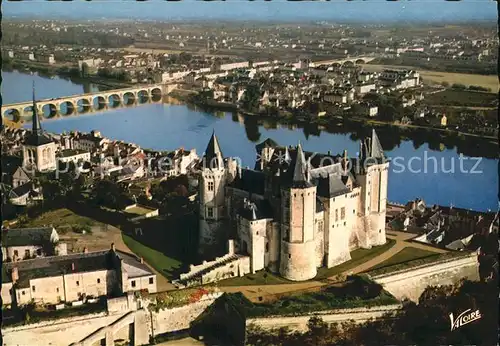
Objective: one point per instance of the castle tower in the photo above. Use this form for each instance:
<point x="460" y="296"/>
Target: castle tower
<point x="298" y="210"/>
<point x="373" y="180"/>
<point x="39" y="151"/>
<point x="212" y="183"/>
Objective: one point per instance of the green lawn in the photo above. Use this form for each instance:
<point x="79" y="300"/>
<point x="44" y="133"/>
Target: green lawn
<point x="162" y="263"/>
<point x="264" y="277"/>
<point x="358" y="257"/>
<point x="416" y="262"/>
<point x="405" y="255"/>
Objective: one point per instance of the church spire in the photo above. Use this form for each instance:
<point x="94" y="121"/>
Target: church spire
<point x="36" y="127"/>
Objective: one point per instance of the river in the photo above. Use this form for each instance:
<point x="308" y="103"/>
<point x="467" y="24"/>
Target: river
<point x="437" y="176"/>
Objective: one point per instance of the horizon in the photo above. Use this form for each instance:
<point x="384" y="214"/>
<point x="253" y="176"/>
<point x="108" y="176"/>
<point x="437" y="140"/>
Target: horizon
<point x="376" y="12"/>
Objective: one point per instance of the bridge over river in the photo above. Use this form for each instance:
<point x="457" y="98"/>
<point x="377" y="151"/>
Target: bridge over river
<point x="88" y="103"/>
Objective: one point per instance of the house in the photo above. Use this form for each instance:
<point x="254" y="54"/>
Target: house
<point x="335" y="97"/>
<point x="190" y="78"/>
<point x="363" y="88"/>
<point x="89" y="141"/>
<point x="369" y="109"/>
<point x="55" y="279"/>
<point x="13" y="174"/>
<point x="73" y="155"/>
<point x="26" y="194"/>
<point x="26" y="243"/>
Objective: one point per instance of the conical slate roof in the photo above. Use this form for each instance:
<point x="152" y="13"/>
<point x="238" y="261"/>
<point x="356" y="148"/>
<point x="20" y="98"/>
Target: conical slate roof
<point x="213" y="153"/>
<point x="301" y="170"/>
<point x="376" y="149"/>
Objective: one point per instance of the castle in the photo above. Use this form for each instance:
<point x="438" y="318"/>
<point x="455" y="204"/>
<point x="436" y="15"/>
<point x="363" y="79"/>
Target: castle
<point x="295" y="211"/>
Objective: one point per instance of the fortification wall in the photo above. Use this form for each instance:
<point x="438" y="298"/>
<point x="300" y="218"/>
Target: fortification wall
<point x="410" y="283"/>
<point x="62" y="332"/>
<point x="299" y="323"/>
<point x="170" y="320"/>
<point x="67" y="331"/>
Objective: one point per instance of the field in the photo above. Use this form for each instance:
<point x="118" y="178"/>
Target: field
<point x="437" y="77"/>
<point x="60" y="218"/>
<point x="462" y="98"/>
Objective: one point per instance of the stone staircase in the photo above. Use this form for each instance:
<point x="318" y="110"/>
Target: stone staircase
<point x="195" y="278"/>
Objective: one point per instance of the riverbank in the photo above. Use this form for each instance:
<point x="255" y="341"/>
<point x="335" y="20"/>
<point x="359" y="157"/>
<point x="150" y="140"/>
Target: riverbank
<point x="390" y="134"/>
<point x="47" y="70"/>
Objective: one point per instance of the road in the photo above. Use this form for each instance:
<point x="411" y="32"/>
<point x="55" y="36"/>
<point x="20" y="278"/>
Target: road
<point x="402" y="240"/>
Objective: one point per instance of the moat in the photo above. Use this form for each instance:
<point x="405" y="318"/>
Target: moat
<point x="426" y="167"/>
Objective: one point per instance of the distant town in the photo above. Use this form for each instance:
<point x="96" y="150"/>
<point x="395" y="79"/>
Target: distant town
<point x="105" y="241"/>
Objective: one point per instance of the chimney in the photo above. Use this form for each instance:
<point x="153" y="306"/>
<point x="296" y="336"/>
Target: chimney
<point x="73" y="266"/>
<point x="113" y="248"/>
<point x="15" y="275"/>
<point x="85" y="250"/>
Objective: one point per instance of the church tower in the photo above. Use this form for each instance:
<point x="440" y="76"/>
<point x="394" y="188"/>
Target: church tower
<point x="373" y="180"/>
<point x="212" y="183"/>
<point x="39" y="151"/>
<point x="298" y="247"/>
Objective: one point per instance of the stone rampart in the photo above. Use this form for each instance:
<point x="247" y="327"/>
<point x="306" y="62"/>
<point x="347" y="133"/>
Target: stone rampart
<point x="410" y="283"/>
<point x="299" y="323"/>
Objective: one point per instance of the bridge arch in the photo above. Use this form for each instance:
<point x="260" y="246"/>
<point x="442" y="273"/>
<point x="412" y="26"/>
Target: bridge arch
<point x="360" y="62"/>
<point x="129" y="98"/>
<point x="156" y="94"/>
<point x="12" y="114"/>
<point x="143" y="96"/>
<point x="27" y="112"/>
<point x="49" y="110"/>
<point x="67" y="108"/>
<point x="83" y="105"/>
<point x="99" y="103"/>
<point x="348" y="63"/>
<point x="114" y="100"/>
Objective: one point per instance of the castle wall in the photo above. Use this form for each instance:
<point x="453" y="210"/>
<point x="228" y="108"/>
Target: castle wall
<point x="253" y="240"/>
<point x="272" y="257"/>
<point x="341" y="214"/>
<point x="299" y="246"/>
<point x="319" y="226"/>
<point x="296" y="264"/>
<point x="411" y="283"/>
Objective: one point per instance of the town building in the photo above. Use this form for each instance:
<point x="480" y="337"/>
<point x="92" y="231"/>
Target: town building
<point x="39" y="150"/>
<point x="296" y="211"/>
<point x="56" y="279"/>
<point x="26" y="243"/>
<point x="73" y="155"/>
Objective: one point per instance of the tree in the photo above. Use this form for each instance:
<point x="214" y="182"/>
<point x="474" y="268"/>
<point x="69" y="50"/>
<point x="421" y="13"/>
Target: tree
<point x="251" y="97"/>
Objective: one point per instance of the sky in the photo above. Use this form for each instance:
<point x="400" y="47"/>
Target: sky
<point x="432" y="11"/>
